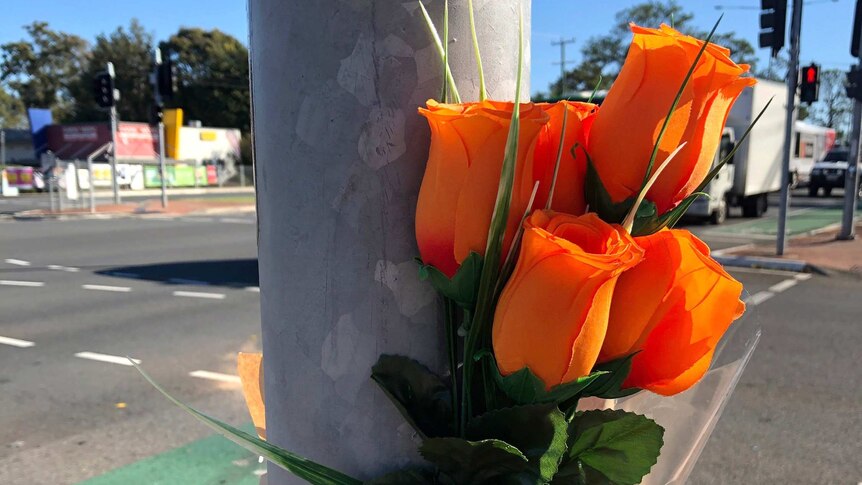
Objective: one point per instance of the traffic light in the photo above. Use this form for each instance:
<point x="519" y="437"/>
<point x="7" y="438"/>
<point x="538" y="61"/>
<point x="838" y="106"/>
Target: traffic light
<point x="165" y="75"/>
<point x="103" y="89"/>
<point x="773" y="19"/>
<point x="854" y="83"/>
<point x="810" y="85"/>
<point x="857" y="30"/>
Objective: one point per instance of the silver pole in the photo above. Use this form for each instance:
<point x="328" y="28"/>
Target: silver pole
<point x="90" y="183"/>
<point x="851" y="177"/>
<point x="114" y="182"/>
<point x="2" y="149"/>
<point x="162" y="171"/>
<point x="792" y="81"/>
<point x="81" y="202"/>
<point x="60" y="194"/>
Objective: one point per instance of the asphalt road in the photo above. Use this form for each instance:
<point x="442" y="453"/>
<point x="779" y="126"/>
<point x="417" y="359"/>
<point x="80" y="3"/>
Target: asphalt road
<point x="794" y="418"/>
<point x="63" y="417"/>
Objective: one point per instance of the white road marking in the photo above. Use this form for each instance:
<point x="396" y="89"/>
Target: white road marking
<point x="803" y="276"/>
<point x="117" y="289"/>
<point x="200" y="294"/>
<point x="215" y="376"/>
<point x="184" y="281"/>
<point x="14" y="342"/>
<point x="68" y="269"/>
<point x="197" y="219"/>
<point x="783" y="285"/>
<point x="253" y="289"/>
<point x="776" y="272"/>
<point x="758" y="298"/>
<point x="111" y="359"/>
<point x="124" y="275"/>
<point x="236" y="220"/>
<point x="18" y="262"/>
<point x="33" y="284"/>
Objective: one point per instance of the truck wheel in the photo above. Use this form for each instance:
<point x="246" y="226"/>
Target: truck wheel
<point x="794" y="180"/>
<point x="827" y="191"/>
<point x="762" y="204"/>
<point x="719" y="215"/>
<point x="749" y="206"/>
<point x="813" y="190"/>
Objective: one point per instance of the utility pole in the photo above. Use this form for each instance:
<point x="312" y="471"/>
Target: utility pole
<point x="792" y="83"/>
<point x="115" y="95"/>
<point x="156" y="79"/>
<point x="2" y="148"/>
<point x="562" y="43"/>
<point x="851" y="176"/>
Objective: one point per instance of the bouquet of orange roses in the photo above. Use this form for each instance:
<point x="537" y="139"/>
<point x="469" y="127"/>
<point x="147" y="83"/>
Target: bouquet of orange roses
<point x="548" y="231"/>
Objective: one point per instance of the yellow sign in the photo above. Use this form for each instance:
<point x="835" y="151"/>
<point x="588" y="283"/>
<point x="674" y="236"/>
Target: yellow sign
<point x="173" y="122"/>
<point x="208" y="136"/>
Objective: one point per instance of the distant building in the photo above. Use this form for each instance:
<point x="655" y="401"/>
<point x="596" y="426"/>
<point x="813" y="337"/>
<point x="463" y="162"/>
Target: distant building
<point x="19" y="147"/>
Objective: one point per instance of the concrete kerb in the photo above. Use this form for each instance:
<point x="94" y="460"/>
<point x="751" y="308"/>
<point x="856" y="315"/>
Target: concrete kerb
<point x="37" y="215"/>
<point x="778" y="264"/>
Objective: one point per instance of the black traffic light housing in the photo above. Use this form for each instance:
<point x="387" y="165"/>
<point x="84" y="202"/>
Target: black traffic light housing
<point x="809" y="88"/>
<point x="103" y="89"/>
<point x="773" y="22"/>
<point x="166" y="76"/>
<point x="857" y="30"/>
<point x="854" y="83"/>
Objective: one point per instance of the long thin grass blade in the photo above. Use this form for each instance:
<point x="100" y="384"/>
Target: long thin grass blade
<point x="557" y="163"/>
<point x="483" y="94"/>
<point x="299" y="466"/>
<point x="629" y="221"/>
<point x="448" y="76"/>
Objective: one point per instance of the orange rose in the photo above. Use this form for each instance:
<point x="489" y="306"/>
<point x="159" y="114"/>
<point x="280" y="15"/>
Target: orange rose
<point x="249" y="367"/>
<point x="569" y="190"/>
<point x="553" y="312"/>
<point x="673" y="308"/>
<point x="459" y="189"/>
<point x="627" y="126"/>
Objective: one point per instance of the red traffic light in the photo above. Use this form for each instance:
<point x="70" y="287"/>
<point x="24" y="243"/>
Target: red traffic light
<point x="811" y="74"/>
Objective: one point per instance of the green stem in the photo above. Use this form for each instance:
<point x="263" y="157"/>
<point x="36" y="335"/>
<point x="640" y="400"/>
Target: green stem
<point x="466" y="377"/>
<point x="483" y="94"/>
<point x="451" y="349"/>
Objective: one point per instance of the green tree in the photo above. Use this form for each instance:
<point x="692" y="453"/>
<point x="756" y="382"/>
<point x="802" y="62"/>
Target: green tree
<point x="833" y="108"/>
<point x="603" y="56"/>
<point x="212" y="71"/>
<point x="11" y="110"/>
<point x="39" y="69"/>
<point x="131" y="52"/>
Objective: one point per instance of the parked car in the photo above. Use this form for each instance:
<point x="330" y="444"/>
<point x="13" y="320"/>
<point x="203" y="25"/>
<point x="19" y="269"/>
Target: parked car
<point x="830" y="172"/>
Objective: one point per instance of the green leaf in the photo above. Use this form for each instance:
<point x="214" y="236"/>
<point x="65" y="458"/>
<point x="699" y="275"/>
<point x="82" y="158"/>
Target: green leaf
<point x="524" y="387"/>
<point x="449" y="79"/>
<point x="598" y="199"/>
<point x="620" y="445"/>
<point x="421" y="396"/>
<point x="538" y="430"/>
<point x="462" y="287"/>
<point x="301" y="467"/>
<point x="408" y="476"/>
<point x="609" y="384"/>
<point x="473" y="461"/>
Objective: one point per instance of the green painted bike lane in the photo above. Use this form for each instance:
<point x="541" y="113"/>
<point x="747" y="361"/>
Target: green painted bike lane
<point x="799" y="221"/>
<point x="208" y="461"/>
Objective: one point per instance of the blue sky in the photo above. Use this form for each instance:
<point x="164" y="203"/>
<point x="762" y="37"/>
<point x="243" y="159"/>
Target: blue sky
<point x="825" y="35"/>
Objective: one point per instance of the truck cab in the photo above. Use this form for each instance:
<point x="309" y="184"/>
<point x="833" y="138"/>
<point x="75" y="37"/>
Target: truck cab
<point x="714" y="204"/>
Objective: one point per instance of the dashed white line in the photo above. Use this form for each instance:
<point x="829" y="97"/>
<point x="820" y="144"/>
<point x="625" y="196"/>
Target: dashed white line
<point x="111" y="359"/>
<point x="200" y="294"/>
<point x="68" y="269"/>
<point x="803" y="276"/>
<point x="253" y="289"/>
<point x="758" y="298"/>
<point x="184" y="281"/>
<point x="32" y="284"/>
<point x="17" y="262"/>
<point x="116" y="289"/>
<point x="236" y="220"/>
<point x="215" y="376"/>
<point x="783" y="285"/>
<point x="14" y="342"/>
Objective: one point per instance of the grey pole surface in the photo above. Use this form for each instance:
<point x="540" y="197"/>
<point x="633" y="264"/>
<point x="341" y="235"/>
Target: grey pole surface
<point x="2" y="148"/>
<point x="851" y="178"/>
<point x="114" y="183"/>
<point x="792" y="82"/>
<point x="339" y="155"/>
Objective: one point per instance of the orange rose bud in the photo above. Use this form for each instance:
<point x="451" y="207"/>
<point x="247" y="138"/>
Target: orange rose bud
<point x="553" y="312"/>
<point x="672" y="308"/>
<point x="459" y="189"/>
<point x="627" y="126"/>
<point x="569" y="190"/>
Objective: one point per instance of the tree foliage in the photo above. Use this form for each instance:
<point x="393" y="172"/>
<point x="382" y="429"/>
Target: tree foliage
<point x="833" y="108"/>
<point x="603" y="56"/>
<point x="130" y="50"/>
<point x="39" y="70"/>
<point x="212" y="70"/>
<point x="11" y="110"/>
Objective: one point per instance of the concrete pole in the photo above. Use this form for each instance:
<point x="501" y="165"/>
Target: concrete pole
<point x="339" y="155"/>
<point x="792" y="84"/>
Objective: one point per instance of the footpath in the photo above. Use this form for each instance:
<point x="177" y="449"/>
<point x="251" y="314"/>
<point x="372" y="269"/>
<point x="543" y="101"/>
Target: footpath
<point x="189" y="205"/>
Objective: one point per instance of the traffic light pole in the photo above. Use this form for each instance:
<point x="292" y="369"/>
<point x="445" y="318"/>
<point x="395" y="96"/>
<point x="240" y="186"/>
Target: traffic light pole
<point x="851" y="178"/>
<point x="115" y="185"/>
<point x="792" y="82"/>
<point x="161" y="128"/>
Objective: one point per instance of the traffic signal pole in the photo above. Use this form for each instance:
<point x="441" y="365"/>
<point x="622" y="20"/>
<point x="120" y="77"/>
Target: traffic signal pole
<point x="115" y="184"/>
<point x="792" y="84"/>
<point x="161" y="128"/>
<point x="851" y="177"/>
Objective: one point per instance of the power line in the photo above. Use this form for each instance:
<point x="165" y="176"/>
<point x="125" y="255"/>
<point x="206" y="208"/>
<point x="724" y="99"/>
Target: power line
<point x="562" y="43"/>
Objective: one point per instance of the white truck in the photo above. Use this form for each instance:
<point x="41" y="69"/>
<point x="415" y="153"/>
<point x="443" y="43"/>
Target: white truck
<point x="755" y="169"/>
